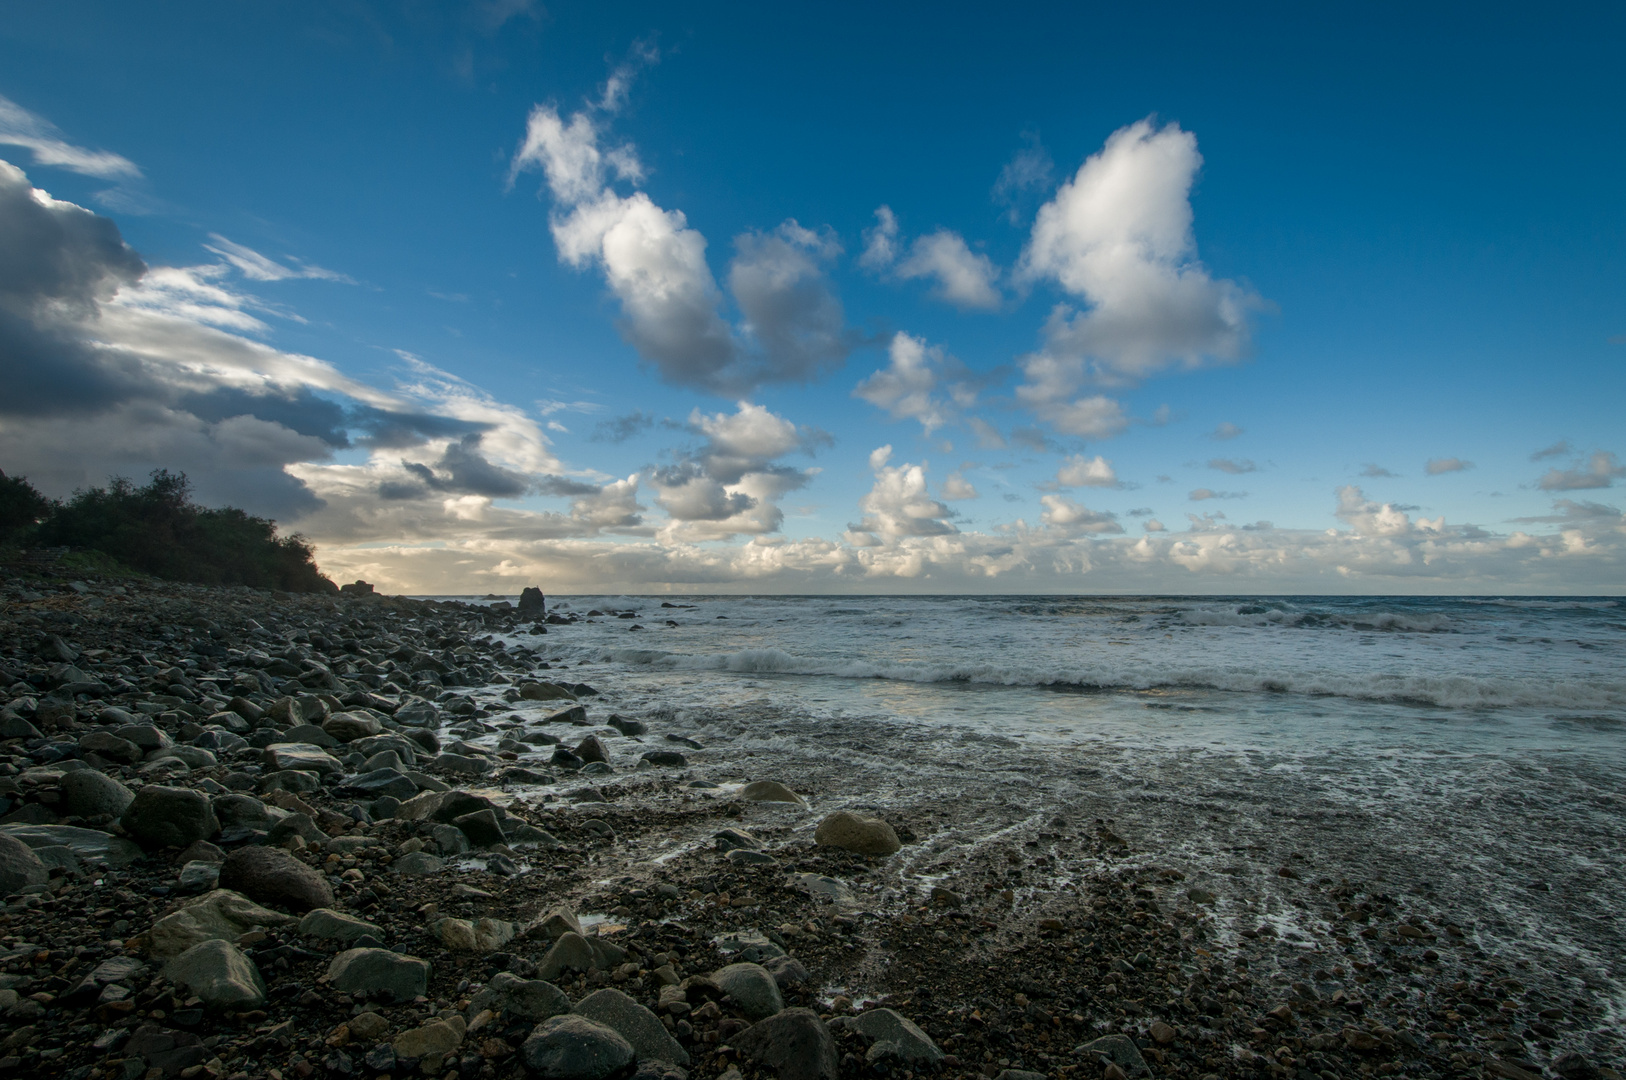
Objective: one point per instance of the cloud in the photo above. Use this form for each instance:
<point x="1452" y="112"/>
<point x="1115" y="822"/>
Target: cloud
<point x="904" y="388"/>
<point x="1569" y="511"/>
<point x="257" y="267"/>
<point x="956" y="487"/>
<point x="898" y="505"/>
<point x="1062" y="512"/>
<point x="622" y="428"/>
<point x="49" y="147"/>
<point x="880" y="241"/>
<point x="987" y="436"/>
<point x="1439" y="466"/>
<point x="1029" y="172"/>
<point x="1558" y="449"/>
<point x="964" y="278"/>
<point x="1376" y="471"/>
<point x="655" y="264"/>
<point x="1118" y="237"/>
<point x="1152" y="525"/>
<point x="1203" y="494"/>
<point x="1374" y="519"/>
<point x="1224" y="431"/>
<point x="1079" y="471"/>
<point x="461" y="470"/>
<point x="1599" y="470"/>
<point x="1236" y="467"/>
<point x="1049" y="394"/>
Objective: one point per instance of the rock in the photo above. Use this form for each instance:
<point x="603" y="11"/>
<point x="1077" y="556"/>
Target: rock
<point x="369" y="1026"/>
<point x="91" y="845"/>
<point x="1162" y="1033"/>
<point x="19" y="866"/>
<point x="220" y="915"/>
<point x="220" y="974"/>
<point x="417" y="864"/>
<point x="736" y="839"/>
<point x="301" y="757"/>
<point x="591" y="749"/>
<point x="575" y="1048"/>
<point x="852" y="832"/>
<point x="570" y="953"/>
<point x="169" y="816"/>
<point x="481" y="827"/>
<point x="13" y="726"/>
<point x="1119" y="1050"/>
<point x="899" y="1033"/>
<point x="1019" y="1074"/>
<point x="350" y="726"/>
<point x="770" y="791"/>
<point x="356" y="588"/>
<point x="382" y="780"/>
<point x="379" y="971"/>
<point x="272" y="876"/>
<point x="532" y="604"/>
<point x="821" y="887"/>
<point x="558" y="922"/>
<point x="295" y="824"/>
<point x="479" y="935"/>
<point x="633" y="1022"/>
<point x="107" y="745"/>
<point x="438" y="1038"/>
<point x="312" y="734"/>
<point x="787" y="971"/>
<point x="533" y="999"/>
<point x="449" y="840"/>
<point x="747" y="857"/>
<point x="337" y="926"/>
<point x="201" y="851"/>
<point x="664" y="758"/>
<point x="544" y="691"/>
<point x="627" y="726"/>
<point x="752" y="988"/>
<point x="198" y="876"/>
<point x="462" y="764"/>
<point x="795" y="1042"/>
<point x="242" y="810"/>
<point x="149" y="737"/>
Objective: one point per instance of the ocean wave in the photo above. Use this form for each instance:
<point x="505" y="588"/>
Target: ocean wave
<point x="1448" y="691"/>
<point x="1259" y="615"/>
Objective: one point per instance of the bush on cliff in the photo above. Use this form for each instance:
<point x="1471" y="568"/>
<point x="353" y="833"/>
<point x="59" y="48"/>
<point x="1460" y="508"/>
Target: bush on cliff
<point x="159" y="529"/>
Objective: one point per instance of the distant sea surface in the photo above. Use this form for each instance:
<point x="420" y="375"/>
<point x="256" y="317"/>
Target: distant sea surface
<point x="1477" y="674"/>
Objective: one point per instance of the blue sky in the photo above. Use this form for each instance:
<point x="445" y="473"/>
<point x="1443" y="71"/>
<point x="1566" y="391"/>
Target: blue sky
<point x="477" y="295"/>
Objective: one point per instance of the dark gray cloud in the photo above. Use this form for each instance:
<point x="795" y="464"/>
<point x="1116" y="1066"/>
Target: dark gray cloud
<point x="462" y="470"/>
<point x="621" y="428"/>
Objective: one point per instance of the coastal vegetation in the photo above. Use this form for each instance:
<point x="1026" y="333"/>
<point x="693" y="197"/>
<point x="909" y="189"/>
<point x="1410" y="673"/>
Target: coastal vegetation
<point x="157" y="528"/>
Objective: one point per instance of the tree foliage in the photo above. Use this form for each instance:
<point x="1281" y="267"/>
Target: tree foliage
<point x="159" y="529"/>
<point x="20" y="504"/>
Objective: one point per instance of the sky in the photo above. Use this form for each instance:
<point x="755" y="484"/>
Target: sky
<point x="834" y="298"/>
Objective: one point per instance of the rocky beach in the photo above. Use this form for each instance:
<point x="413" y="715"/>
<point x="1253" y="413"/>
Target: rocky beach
<point x="250" y="834"/>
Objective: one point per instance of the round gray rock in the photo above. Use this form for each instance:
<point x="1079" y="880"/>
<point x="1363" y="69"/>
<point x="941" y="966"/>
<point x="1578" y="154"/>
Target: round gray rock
<point x="634" y="1023"/>
<point x="219" y="973"/>
<point x="752" y="988"/>
<point x="161" y="816"/>
<point x="575" y="1048"/>
<point x="795" y="1042"/>
<point x="374" y="970"/>
<point x="88" y="793"/>
<point x="854" y="832"/>
<point x="19" y="866"/>
<point x="272" y="876"/>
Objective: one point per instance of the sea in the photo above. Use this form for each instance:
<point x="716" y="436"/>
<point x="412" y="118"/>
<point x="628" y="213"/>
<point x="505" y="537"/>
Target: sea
<point x="1464" y="757"/>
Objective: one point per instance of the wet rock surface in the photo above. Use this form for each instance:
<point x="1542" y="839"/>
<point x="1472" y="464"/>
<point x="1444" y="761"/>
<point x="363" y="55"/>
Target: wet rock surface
<point x="408" y="884"/>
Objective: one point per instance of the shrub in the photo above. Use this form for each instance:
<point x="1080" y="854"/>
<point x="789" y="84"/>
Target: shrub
<point x="159" y="529"/>
<point x="20" y="504"/>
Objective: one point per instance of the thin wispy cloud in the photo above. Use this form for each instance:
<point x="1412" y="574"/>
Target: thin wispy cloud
<point x="50" y="147"/>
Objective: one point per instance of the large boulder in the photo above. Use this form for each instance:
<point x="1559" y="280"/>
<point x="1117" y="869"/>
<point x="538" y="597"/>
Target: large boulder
<point x="337" y="926"/>
<point x="854" y="832"/>
<point x="898" y="1035"/>
<point x="795" y="1042"/>
<point x="301" y="757"/>
<point x="87" y="793"/>
<point x="91" y="845"/>
<point x="220" y="915"/>
<point x="219" y="973"/>
<point x="350" y="726"/>
<point x="481" y="827"/>
<point x="752" y="988"/>
<point x="161" y="816"/>
<point x="379" y="971"/>
<point x="107" y="745"/>
<point x="477" y="935"/>
<point x="532" y="604"/>
<point x="570" y="953"/>
<point x="532" y="999"/>
<point x="575" y="1048"/>
<point x="634" y="1023"/>
<point x="19" y="866"/>
<point x="272" y="876"/>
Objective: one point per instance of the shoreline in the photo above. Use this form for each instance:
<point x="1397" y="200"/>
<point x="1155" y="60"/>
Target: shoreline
<point x="1027" y="914"/>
